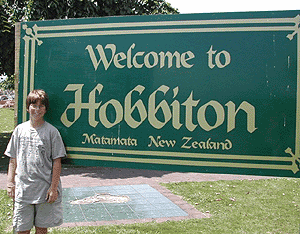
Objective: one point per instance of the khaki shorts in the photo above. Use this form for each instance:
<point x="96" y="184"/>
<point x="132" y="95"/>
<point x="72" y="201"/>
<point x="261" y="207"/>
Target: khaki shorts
<point x="43" y="215"/>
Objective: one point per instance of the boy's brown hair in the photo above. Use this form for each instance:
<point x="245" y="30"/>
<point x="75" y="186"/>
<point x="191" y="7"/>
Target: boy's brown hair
<point x="37" y="95"/>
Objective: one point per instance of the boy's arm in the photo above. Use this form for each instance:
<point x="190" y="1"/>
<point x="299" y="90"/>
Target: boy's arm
<point x="52" y="193"/>
<point x="11" y="177"/>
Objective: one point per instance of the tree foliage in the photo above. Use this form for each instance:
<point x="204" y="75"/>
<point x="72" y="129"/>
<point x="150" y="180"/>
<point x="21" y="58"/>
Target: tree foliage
<point x="12" y="11"/>
<point x="62" y="9"/>
<point x="6" y="43"/>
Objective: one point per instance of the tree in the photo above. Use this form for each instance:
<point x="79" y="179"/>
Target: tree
<point x="54" y="9"/>
<point x="6" y="42"/>
<point x="12" y="11"/>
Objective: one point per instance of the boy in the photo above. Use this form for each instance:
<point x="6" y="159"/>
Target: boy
<point x="35" y="150"/>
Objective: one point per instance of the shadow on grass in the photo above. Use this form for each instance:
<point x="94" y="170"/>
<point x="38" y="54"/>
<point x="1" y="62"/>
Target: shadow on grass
<point x="4" y="138"/>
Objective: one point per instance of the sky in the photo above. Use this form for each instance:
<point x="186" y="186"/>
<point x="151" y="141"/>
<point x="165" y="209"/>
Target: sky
<point x="208" y="6"/>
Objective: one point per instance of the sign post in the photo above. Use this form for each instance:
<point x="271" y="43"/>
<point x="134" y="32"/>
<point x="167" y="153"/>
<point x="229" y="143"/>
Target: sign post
<point x="216" y="93"/>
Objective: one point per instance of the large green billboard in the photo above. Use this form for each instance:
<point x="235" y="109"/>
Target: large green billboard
<point x="214" y="93"/>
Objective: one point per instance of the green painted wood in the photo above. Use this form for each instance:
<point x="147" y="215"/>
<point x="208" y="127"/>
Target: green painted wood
<point x="200" y="92"/>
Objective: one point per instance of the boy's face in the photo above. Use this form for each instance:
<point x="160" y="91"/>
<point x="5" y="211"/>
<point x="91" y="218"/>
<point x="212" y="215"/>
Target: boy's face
<point x="37" y="111"/>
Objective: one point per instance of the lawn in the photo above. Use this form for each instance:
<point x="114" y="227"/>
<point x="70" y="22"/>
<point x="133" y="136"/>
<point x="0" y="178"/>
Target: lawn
<point x="247" y="206"/>
<point x="6" y="120"/>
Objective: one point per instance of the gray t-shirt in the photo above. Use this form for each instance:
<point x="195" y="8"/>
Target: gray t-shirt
<point x="35" y="150"/>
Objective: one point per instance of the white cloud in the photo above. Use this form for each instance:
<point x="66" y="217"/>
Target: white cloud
<point x="198" y="6"/>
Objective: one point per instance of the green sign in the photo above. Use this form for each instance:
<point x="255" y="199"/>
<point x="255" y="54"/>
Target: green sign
<point x="214" y="93"/>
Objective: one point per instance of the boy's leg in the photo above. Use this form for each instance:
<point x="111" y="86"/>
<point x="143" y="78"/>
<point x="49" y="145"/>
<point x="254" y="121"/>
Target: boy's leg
<point x="24" y="232"/>
<point x="39" y="230"/>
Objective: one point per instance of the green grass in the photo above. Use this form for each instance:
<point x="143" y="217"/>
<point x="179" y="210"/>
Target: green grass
<point x="6" y="120"/>
<point x="247" y="206"/>
<point x="6" y="211"/>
